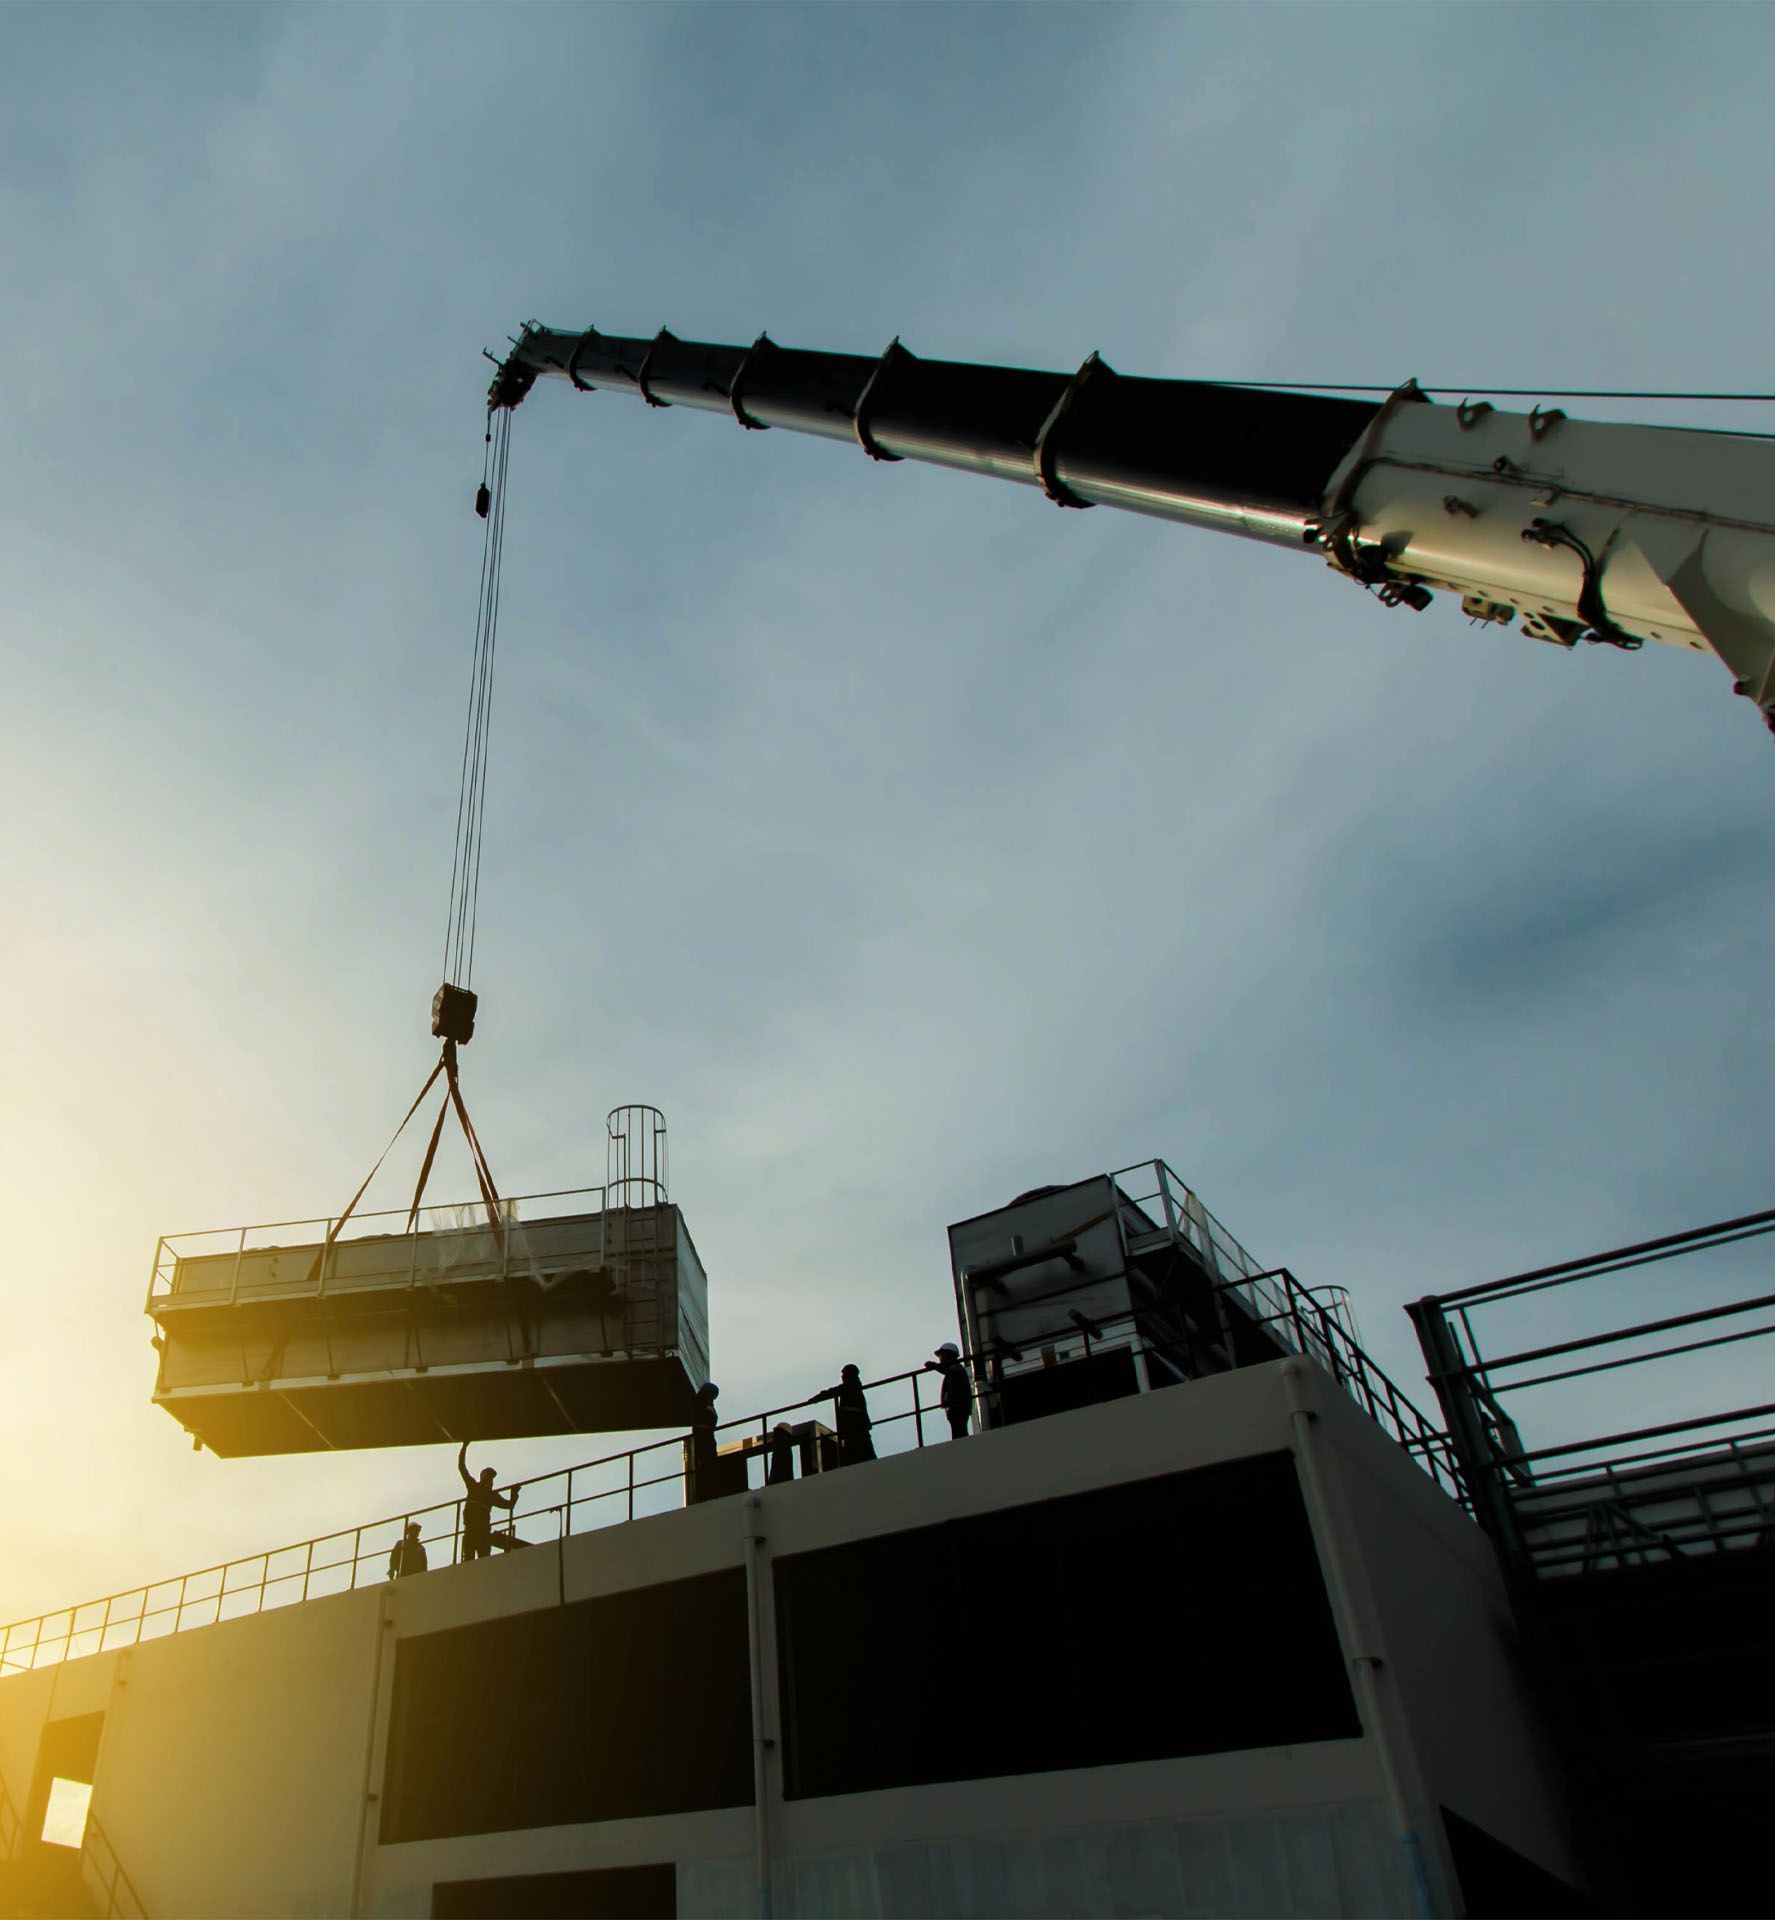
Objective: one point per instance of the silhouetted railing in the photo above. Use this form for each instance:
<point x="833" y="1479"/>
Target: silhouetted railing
<point x="9" y="1822"/>
<point x="101" y="1873"/>
<point x="653" y="1479"/>
<point x="1701" y="1480"/>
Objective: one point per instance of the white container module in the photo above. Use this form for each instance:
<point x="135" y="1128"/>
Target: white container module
<point x="574" y="1314"/>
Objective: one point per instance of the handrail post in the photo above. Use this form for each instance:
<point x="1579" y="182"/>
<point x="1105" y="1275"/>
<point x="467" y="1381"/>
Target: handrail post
<point x="917" y="1408"/>
<point x="631" y="1483"/>
<point x="1326" y="1334"/>
<point x="239" y="1255"/>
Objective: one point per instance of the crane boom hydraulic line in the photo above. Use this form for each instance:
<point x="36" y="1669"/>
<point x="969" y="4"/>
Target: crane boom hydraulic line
<point x="1588" y="530"/>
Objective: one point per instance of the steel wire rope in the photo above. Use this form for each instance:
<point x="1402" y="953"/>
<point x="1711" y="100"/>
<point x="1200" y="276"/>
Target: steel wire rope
<point x="479" y="696"/>
<point x="474" y="672"/>
<point x="494" y="592"/>
<point x="1503" y="393"/>
<point x="1532" y="393"/>
<point x="471" y="798"/>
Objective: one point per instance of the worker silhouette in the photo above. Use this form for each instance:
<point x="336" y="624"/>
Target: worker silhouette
<point x="958" y="1391"/>
<point x="704" y="1472"/>
<point x="851" y="1417"/>
<point x="479" y="1535"/>
<point x="779" y="1458"/>
<point x="407" y="1555"/>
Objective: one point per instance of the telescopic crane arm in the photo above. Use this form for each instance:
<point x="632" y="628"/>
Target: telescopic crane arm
<point x="1586" y="530"/>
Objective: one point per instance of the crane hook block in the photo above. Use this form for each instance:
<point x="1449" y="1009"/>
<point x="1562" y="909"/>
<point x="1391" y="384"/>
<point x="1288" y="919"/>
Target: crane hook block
<point x="483" y="500"/>
<point x="453" y="1014"/>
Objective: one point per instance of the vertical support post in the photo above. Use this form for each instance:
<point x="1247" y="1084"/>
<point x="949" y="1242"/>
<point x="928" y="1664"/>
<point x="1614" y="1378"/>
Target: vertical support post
<point x="1467" y="1432"/>
<point x="917" y="1408"/>
<point x="239" y="1256"/>
<point x="1291" y="1294"/>
<point x="367" y="1796"/>
<point x="756" y="1604"/>
<point x="1352" y="1606"/>
<point x="1328" y="1332"/>
<point x="1165" y="1199"/>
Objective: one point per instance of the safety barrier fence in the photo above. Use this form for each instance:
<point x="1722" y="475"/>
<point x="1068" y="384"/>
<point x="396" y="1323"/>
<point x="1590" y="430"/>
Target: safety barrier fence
<point x="1701" y="1481"/>
<point x="113" y="1893"/>
<point x="376" y="1250"/>
<point x="654" y="1478"/>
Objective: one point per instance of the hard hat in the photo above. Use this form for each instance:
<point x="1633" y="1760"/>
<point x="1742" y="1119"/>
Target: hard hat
<point x="710" y="1388"/>
<point x="949" y="1346"/>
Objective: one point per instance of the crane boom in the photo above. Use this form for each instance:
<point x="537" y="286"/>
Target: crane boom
<point x="1588" y="530"/>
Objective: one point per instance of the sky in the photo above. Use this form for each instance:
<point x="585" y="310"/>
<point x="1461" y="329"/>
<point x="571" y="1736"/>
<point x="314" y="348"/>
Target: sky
<point x="908" y="844"/>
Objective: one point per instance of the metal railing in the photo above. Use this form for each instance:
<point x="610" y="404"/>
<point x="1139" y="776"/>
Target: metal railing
<point x="10" y="1824"/>
<point x="628" y="1485"/>
<point x="633" y="1484"/>
<point x="453" y="1241"/>
<point x="1315" y="1322"/>
<point x="113" y="1892"/>
<point x="1701" y="1481"/>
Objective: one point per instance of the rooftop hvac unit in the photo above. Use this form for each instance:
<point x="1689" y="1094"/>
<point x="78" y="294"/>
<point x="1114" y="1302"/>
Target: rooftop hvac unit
<point x="574" y="1312"/>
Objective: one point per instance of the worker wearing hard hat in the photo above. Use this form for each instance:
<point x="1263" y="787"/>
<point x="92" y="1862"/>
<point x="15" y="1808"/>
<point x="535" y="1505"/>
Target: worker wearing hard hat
<point x="958" y="1390"/>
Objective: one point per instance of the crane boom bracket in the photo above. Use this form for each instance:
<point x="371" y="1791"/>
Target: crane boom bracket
<point x="870" y="398"/>
<point x="1046" y="447"/>
<point x="737" y="388"/>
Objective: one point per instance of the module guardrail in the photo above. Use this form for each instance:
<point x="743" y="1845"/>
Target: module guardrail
<point x="435" y="1224"/>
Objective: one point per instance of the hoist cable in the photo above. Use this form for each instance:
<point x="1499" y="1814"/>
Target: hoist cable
<point x="473" y="885"/>
<point x="471" y="799"/>
<point x="1504" y="393"/>
<point x="474" y="680"/>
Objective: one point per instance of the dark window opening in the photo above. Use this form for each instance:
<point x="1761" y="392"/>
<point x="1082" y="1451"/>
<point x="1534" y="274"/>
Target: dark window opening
<point x="1040" y="1391"/>
<point x="61" y="1792"/>
<point x="601" y="1893"/>
<point x="635" y="1704"/>
<point x="1173" y="1616"/>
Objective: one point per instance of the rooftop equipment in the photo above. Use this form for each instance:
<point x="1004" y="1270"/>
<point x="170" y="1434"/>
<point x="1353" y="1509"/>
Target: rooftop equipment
<point x="574" y="1312"/>
<point x="1122" y="1284"/>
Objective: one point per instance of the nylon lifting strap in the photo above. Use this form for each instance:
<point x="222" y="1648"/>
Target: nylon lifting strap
<point x="446" y="1065"/>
